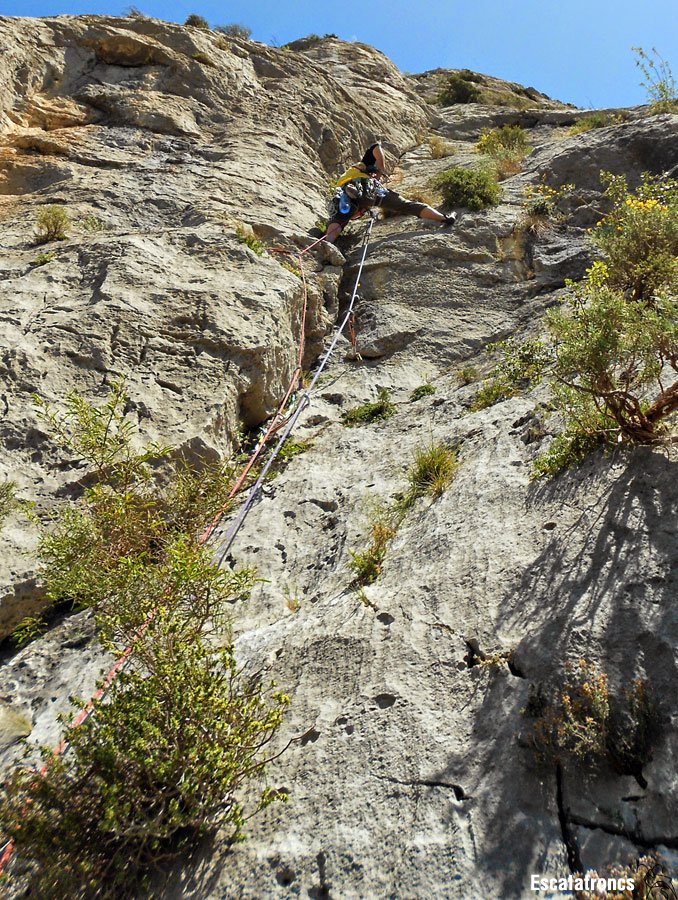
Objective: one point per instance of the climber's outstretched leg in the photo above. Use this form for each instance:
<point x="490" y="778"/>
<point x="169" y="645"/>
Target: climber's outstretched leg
<point x="434" y="215"/>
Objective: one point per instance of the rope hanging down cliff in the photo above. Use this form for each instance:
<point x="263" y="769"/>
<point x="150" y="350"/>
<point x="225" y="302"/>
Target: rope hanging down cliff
<point x="276" y="424"/>
<point x="302" y="404"/>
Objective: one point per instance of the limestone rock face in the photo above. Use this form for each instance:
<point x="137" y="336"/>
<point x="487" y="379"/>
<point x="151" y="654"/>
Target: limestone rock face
<point x="160" y="142"/>
<point x="409" y="768"/>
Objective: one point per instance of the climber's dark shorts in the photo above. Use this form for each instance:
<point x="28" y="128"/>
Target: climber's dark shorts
<point x="392" y="202"/>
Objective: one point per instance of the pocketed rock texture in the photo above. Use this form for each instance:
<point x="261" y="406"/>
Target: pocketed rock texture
<point x="409" y="770"/>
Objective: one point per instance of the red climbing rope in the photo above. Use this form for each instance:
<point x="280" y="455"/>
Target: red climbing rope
<point x="276" y="424"/>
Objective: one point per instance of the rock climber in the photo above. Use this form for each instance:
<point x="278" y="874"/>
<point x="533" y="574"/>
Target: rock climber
<point x="360" y="188"/>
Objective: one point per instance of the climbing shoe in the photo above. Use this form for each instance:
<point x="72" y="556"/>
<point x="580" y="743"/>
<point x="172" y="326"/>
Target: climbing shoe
<point x="449" y="220"/>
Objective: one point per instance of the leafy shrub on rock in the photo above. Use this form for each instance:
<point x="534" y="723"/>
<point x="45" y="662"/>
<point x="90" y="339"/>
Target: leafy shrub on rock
<point x="381" y="408"/>
<point x="506" y="146"/>
<point x="611" y="354"/>
<point x="234" y="30"/>
<point x="473" y="188"/>
<point x="163" y="760"/>
<point x="457" y="89"/>
<point x="639" y="237"/>
<point x="53" y="224"/>
<point x="170" y="752"/>
<point x="196" y="21"/>
<point x="585" y="723"/>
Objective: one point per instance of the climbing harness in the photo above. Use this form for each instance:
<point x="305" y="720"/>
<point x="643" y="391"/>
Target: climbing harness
<point x="278" y="422"/>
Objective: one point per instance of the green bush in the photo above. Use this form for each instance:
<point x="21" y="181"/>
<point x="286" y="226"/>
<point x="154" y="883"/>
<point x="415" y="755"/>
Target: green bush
<point x="53" y="224"/>
<point x="93" y="224"/>
<point x="28" y="629"/>
<point x="424" y="390"/>
<point x="456" y="89"/>
<point x="468" y="374"/>
<point x="595" y="120"/>
<point x="42" y="259"/>
<point x="159" y="764"/>
<point x="440" y="148"/>
<point x="196" y="21"/>
<point x="492" y="391"/>
<point x="511" y="138"/>
<point x="235" y="31"/>
<point x="168" y="755"/>
<point x="542" y="201"/>
<point x="519" y="367"/>
<point x="381" y="408"/>
<point x="639" y="237"/>
<point x="612" y="348"/>
<point x="474" y="188"/>
<point x="506" y="146"/>
<point x="468" y="75"/>
<point x="290" y="449"/>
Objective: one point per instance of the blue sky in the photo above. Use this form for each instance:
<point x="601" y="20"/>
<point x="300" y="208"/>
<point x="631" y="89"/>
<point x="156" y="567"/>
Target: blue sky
<point x="573" y="50"/>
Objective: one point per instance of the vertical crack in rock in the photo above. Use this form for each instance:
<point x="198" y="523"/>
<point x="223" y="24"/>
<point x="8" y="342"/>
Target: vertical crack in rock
<point x="573" y="857"/>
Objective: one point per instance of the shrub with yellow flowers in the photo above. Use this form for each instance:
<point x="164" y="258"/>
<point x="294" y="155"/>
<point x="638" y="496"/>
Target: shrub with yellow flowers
<point x="584" y="722"/>
<point x="611" y="350"/>
<point x="639" y="237"/>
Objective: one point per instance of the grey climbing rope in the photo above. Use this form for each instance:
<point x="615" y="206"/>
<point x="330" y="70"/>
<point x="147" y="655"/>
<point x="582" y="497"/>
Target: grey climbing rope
<point x="302" y="404"/>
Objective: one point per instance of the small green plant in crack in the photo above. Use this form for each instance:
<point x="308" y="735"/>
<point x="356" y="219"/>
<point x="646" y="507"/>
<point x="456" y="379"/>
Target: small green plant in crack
<point x="519" y="367"/>
<point x="366" y="566"/>
<point x="8" y="500"/>
<point x="492" y="391"/>
<point x="596" y="120"/>
<point x="52" y="224"/>
<point x="424" y="390"/>
<point x="498" y="660"/>
<point x="541" y="201"/>
<point x="292" y="601"/>
<point x="93" y="224"/>
<point x="42" y="259"/>
<point x="295" y="270"/>
<point x="28" y="629"/>
<point x="468" y="374"/>
<point x="381" y="408"/>
<point x="290" y="449"/>
<point x="431" y="472"/>
<point x="248" y="238"/>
